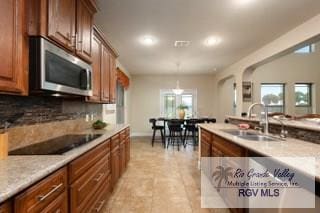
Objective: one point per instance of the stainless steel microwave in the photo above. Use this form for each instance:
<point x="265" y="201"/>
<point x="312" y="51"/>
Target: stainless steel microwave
<point x="55" y="71"/>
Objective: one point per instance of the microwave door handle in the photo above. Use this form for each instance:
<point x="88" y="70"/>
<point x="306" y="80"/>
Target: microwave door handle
<point x="88" y="77"/>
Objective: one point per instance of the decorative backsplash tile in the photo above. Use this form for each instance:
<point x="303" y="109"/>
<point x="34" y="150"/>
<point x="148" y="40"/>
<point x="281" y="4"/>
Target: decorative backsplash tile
<point x="40" y="109"/>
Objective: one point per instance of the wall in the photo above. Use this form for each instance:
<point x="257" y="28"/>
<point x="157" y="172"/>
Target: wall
<point x="290" y="69"/>
<point x="305" y="31"/>
<point x="145" y="93"/>
<point x="226" y="91"/>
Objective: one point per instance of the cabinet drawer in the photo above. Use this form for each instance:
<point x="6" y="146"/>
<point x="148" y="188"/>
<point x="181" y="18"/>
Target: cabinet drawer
<point x="101" y="199"/>
<point x="6" y="207"/>
<point x="59" y="205"/>
<point x="84" y="188"/>
<point x="115" y="141"/>
<point x="82" y="164"/>
<point x="228" y="148"/>
<point x="39" y="196"/>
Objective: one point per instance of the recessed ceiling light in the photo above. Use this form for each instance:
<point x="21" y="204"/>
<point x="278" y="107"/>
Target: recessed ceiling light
<point x="148" y="40"/>
<point x="243" y="2"/>
<point x="212" y="41"/>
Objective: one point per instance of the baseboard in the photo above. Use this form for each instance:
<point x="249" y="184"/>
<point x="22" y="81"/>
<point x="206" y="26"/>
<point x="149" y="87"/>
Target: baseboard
<point x="141" y="134"/>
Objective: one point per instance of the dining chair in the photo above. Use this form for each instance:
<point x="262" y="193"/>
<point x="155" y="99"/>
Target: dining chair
<point x="211" y="120"/>
<point x="175" y="127"/>
<point x="190" y="131"/>
<point x="156" y="128"/>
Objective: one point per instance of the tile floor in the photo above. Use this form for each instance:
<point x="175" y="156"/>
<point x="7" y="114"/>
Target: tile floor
<point x="158" y="180"/>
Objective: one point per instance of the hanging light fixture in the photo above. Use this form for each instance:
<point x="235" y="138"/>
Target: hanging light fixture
<point x="178" y="90"/>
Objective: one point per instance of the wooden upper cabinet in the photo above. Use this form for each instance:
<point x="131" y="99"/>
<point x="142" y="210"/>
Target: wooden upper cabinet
<point x="61" y="22"/>
<point x="85" y="13"/>
<point x="105" y="75"/>
<point x="68" y="23"/>
<point x="96" y="70"/>
<point x="113" y="79"/>
<point x="13" y="47"/>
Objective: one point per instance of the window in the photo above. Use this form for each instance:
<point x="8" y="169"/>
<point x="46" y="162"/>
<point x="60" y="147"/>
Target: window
<point x="272" y="95"/>
<point x="170" y="101"/>
<point x="303" y="94"/>
<point x="306" y="49"/>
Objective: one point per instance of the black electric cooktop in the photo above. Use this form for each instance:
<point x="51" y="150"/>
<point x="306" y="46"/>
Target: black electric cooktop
<point x="55" y="146"/>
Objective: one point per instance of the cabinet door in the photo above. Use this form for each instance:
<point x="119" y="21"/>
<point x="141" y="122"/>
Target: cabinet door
<point x="96" y="70"/>
<point x="113" y="79"/>
<point x="114" y="166"/>
<point x="61" y="22"/>
<point x="84" y="29"/>
<point x="122" y="162"/>
<point x="105" y="75"/>
<point x="13" y="50"/>
<point x="127" y="150"/>
<point x="6" y="207"/>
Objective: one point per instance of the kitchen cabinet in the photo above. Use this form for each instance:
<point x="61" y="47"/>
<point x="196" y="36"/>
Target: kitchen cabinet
<point x="206" y="140"/>
<point x="61" y="22"/>
<point x="68" y="23"/>
<point x="87" y="176"/>
<point x="215" y="146"/>
<point x="115" y="160"/>
<point x="113" y="79"/>
<point x="105" y="75"/>
<point x="84" y="185"/>
<point x="13" y="47"/>
<point x="85" y="12"/>
<point x="6" y="207"/>
<point x="127" y="146"/>
<point x="104" y="70"/>
<point x="122" y="151"/>
<point x="45" y="195"/>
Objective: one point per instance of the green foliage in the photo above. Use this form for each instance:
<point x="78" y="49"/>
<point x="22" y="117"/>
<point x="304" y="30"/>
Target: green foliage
<point x="182" y="107"/>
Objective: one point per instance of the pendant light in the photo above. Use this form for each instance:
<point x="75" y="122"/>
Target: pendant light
<point x="178" y="90"/>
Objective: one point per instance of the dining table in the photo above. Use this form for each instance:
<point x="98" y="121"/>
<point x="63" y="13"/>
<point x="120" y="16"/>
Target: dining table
<point x="184" y="120"/>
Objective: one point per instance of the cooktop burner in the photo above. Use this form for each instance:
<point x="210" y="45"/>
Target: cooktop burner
<point x="55" y="146"/>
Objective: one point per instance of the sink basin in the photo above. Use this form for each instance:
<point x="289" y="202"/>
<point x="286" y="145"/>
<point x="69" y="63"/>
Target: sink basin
<point x="256" y="138"/>
<point x="237" y="132"/>
<point x="251" y="136"/>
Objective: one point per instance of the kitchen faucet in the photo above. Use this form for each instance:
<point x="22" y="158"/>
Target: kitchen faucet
<point x="265" y="123"/>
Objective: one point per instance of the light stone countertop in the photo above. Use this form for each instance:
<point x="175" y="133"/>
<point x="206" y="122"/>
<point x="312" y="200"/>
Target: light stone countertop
<point x="302" y="124"/>
<point x="19" y="172"/>
<point x="276" y="149"/>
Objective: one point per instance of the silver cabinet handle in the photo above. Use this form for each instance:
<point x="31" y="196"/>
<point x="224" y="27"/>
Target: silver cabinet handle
<point x="55" y="188"/>
<point x="99" y="177"/>
<point x="100" y="206"/>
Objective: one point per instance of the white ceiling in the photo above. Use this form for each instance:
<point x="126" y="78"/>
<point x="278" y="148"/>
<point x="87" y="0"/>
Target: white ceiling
<point x="243" y="29"/>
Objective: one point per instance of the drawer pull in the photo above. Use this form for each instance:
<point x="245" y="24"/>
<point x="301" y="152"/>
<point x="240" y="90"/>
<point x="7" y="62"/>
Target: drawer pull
<point x="55" y="188"/>
<point x="99" y="177"/>
<point x="98" y="209"/>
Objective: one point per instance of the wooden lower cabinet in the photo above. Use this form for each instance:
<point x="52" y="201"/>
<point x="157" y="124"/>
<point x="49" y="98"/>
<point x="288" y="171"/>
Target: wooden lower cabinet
<point x="215" y="146"/>
<point x="6" y="207"/>
<point x="83" y="186"/>
<point x="44" y="194"/>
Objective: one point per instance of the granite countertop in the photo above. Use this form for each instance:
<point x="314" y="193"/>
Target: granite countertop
<point x="276" y="149"/>
<point x="19" y="172"/>
<point x="308" y="125"/>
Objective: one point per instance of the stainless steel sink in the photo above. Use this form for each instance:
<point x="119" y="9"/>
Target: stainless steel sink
<point x="251" y="136"/>
<point x="257" y="138"/>
<point x="237" y="132"/>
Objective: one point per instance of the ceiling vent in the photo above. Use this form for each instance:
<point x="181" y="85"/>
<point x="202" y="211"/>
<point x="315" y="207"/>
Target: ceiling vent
<point x="180" y="44"/>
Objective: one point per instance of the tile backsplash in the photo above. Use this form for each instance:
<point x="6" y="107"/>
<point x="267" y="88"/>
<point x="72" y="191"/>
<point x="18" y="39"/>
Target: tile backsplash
<point x="38" y="109"/>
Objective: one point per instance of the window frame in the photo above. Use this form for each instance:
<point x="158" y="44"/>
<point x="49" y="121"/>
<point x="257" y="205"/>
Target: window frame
<point x="310" y="95"/>
<point x="192" y="92"/>
<point x="283" y="106"/>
